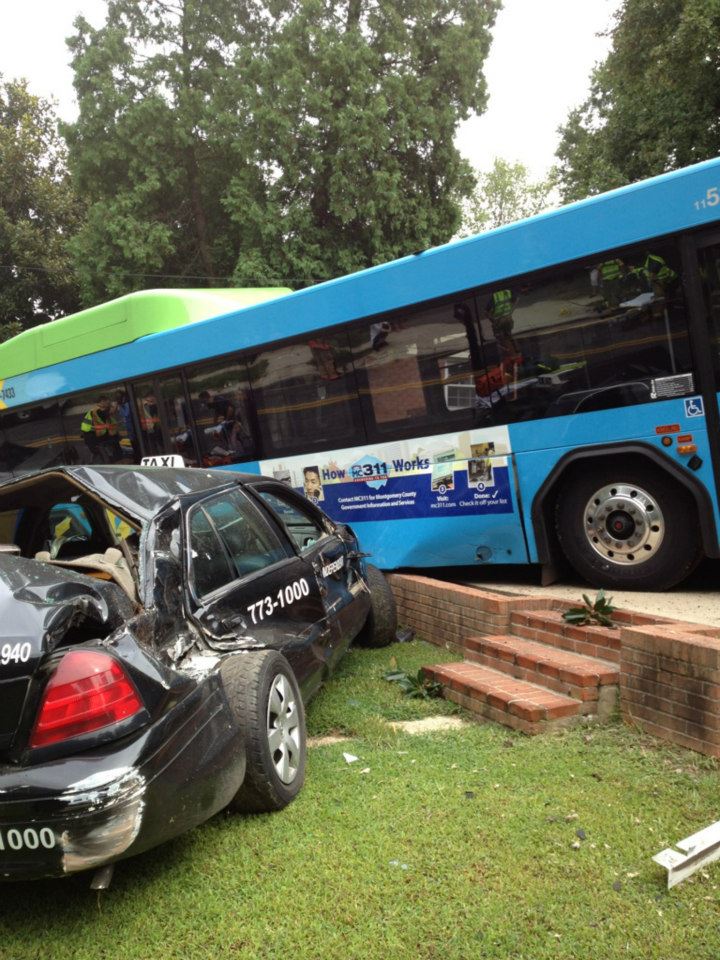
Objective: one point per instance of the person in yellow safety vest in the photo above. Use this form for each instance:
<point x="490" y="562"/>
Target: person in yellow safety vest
<point x="99" y="430"/>
<point x="499" y="310"/>
<point x="658" y="274"/>
<point x="612" y="274"/>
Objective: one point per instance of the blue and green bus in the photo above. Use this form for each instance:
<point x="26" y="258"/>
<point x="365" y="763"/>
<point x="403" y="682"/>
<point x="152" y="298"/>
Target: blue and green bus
<point x="541" y="393"/>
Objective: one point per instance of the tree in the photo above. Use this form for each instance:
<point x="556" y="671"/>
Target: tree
<point x="503" y="195"/>
<point x="356" y="108"/>
<point x="38" y="213"/>
<point x="277" y="141"/>
<point x="654" y="103"/>
<point x="160" y="135"/>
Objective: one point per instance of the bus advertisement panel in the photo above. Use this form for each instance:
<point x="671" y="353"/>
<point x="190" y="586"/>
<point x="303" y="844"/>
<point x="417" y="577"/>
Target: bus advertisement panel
<point x="463" y="474"/>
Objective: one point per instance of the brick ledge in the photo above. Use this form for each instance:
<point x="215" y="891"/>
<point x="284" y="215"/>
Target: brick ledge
<point x="669" y="669"/>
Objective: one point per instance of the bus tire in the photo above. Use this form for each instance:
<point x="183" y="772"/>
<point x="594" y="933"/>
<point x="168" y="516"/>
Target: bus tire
<point x="627" y="526"/>
<point x="381" y="625"/>
<point x="266" y="703"/>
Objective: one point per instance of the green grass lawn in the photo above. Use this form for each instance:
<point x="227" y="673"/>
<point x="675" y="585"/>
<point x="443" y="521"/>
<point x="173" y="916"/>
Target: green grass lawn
<point x="453" y="845"/>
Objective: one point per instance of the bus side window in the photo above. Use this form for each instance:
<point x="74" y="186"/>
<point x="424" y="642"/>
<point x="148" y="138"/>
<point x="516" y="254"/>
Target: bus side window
<point x="148" y="416"/>
<point x="221" y="407"/>
<point x="709" y="261"/>
<point x="418" y="369"/>
<point x="6" y="471"/>
<point x="171" y="394"/>
<point x="306" y="396"/>
<point x="585" y="337"/>
<point x="95" y="427"/>
<point x="34" y="438"/>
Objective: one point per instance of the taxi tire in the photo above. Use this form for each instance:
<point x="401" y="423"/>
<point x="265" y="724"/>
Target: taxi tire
<point x="679" y="553"/>
<point x="381" y="625"/>
<point x="248" y="679"/>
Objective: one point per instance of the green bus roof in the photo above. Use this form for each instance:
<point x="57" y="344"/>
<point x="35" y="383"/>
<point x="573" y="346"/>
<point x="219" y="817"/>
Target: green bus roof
<point x="122" y="321"/>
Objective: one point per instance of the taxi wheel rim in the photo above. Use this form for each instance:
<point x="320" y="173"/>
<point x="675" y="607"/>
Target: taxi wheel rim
<point x="283" y="729"/>
<point x="624" y="524"/>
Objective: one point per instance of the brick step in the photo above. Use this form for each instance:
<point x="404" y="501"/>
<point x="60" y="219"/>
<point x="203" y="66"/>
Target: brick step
<point x="499" y="697"/>
<point x="591" y="681"/>
<point x="548" y="626"/>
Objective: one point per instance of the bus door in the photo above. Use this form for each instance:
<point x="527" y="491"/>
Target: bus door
<point x="702" y="283"/>
<point x="163" y="413"/>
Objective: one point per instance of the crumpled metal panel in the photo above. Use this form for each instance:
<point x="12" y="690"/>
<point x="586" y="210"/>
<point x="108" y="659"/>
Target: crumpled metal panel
<point x="161" y="587"/>
<point x="42" y="600"/>
<point x="40" y="605"/>
<point x="141" y="493"/>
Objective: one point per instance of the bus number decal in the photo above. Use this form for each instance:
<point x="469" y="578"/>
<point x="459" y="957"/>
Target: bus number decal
<point x="265" y="607"/>
<point x="711" y="199"/>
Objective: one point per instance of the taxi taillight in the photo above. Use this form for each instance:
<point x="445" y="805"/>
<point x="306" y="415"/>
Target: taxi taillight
<point x="89" y="691"/>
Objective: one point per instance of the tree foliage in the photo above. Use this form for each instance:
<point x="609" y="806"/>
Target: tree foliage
<point x="159" y="137"/>
<point x="38" y="213"/>
<point x="654" y="103"/>
<point x="276" y="141"/>
<point x="503" y="194"/>
<point x="356" y="110"/>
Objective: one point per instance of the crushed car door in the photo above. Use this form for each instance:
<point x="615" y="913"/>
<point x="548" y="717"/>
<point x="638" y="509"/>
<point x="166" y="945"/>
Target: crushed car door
<point x="249" y="588"/>
<point x="317" y="540"/>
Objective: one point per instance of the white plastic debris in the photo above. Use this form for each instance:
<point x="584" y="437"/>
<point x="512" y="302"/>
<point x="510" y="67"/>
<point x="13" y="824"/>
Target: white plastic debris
<point x="696" y="851"/>
<point x="350" y="758"/>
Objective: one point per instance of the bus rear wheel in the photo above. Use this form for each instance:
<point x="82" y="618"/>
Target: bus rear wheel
<point x="629" y="528"/>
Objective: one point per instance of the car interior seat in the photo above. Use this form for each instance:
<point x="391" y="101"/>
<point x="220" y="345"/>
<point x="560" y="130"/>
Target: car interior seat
<point x="110" y="565"/>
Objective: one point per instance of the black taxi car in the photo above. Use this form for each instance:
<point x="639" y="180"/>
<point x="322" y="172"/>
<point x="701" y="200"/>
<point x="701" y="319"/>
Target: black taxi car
<point x="160" y="632"/>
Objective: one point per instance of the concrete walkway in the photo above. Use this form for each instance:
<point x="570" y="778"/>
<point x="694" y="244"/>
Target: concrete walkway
<point x="696" y="600"/>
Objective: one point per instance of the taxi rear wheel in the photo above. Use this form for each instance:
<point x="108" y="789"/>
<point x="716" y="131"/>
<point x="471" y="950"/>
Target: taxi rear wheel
<point x="381" y="624"/>
<point x="267" y="705"/>
<point x="628" y="527"/>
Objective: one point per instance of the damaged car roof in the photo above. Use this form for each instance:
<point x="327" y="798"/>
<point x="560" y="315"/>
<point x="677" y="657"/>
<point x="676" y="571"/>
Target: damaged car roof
<point x="139" y="491"/>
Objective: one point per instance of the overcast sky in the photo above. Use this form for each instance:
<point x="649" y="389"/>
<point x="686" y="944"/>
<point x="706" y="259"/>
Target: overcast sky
<point x="539" y="64"/>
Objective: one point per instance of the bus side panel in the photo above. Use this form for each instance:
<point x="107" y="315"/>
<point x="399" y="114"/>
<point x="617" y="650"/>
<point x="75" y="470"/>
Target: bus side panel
<point x="442" y="542"/>
<point x="443" y="500"/>
<point x="541" y="444"/>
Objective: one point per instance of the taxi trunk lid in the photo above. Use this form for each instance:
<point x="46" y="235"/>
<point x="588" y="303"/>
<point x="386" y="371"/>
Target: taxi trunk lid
<point x="43" y="607"/>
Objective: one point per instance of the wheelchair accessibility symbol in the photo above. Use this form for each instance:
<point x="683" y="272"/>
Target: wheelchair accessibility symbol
<point x="694" y="407"/>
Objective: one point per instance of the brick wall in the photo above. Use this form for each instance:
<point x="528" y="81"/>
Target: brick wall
<point x="446" y="613"/>
<point x="669" y="670"/>
<point x="670" y="683"/>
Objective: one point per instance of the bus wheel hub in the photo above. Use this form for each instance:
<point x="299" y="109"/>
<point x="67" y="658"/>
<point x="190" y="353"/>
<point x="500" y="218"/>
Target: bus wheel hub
<point x="624" y="524"/>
